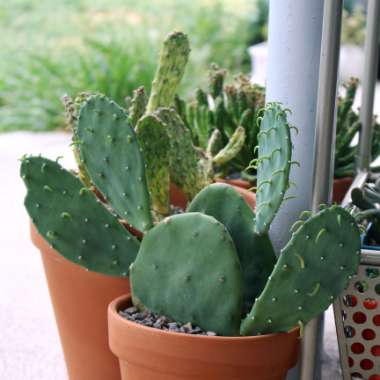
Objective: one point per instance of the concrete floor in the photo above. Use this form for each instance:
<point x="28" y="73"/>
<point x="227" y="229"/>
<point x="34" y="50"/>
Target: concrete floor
<point x="29" y="344"/>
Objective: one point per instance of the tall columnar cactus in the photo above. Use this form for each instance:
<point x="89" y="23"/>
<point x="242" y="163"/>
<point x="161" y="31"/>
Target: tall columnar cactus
<point x="313" y="268"/>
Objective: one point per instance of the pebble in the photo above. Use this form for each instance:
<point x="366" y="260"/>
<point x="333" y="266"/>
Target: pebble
<point x="161" y="322"/>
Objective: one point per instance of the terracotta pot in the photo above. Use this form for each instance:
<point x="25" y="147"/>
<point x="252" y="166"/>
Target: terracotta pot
<point x="80" y="299"/>
<point x="179" y="199"/>
<point x="145" y="353"/>
<point x="242" y="187"/>
<point x="340" y="188"/>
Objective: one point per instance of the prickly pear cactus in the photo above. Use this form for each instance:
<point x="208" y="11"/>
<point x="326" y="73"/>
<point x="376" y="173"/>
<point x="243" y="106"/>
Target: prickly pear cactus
<point x="173" y="59"/>
<point x="110" y="151"/>
<point x="70" y="217"/>
<point x="154" y="141"/>
<point x="273" y="165"/>
<point x="185" y="161"/>
<point x="187" y="268"/>
<point x="312" y="270"/>
<point x="255" y="251"/>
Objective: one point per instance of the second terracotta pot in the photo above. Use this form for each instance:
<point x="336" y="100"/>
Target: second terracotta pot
<point x="178" y="198"/>
<point x="80" y="299"/>
<point x="340" y="188"/>
<point x="146" y="353"/>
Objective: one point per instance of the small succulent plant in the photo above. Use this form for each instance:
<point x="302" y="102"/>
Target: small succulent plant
<point x="214" y="265"/>
<point x="226" y="115"/>
<point x="348" y="125"/>
<point x="367" y="203"/>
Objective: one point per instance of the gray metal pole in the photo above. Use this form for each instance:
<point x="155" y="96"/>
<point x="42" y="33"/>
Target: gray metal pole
<point x="369" y="82"/>
<point x="294" y="49"/>
<point x="323" y="156"/>
<point x="294" y="41"/>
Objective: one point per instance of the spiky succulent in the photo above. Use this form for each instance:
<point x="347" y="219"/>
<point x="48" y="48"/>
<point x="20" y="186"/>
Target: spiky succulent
<point x="223" y="115"/>
<point x="347" y="128"/>
<point x="367" y="202"/>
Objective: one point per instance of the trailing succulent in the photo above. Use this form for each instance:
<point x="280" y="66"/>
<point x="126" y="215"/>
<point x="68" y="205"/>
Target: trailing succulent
<point x="367" y="203"/>
<point x="214" y="265"/>
<point x="164" y="138"/>
<point x="348" y="125"/>
<point x="225" y="118"/>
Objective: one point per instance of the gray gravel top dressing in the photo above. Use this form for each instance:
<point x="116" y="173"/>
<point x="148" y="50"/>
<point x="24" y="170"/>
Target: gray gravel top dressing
<point x="161" y="322"/>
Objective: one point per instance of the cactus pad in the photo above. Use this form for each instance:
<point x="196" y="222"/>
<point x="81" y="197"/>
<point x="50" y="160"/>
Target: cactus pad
<point x="110" y="151"/>
<point x="312" y="270"/>
<point x="186" y="169"/>
<point x="255" y="251"/>
<point x="173" y="59"/>
<point x="154" y="142"/>
<point x="273" y="165"/>
<point x="187" y="269"/>
<point x="73" y="221"/>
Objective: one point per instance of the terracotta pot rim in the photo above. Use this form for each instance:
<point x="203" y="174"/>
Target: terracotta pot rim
<point x="116" y="304"/>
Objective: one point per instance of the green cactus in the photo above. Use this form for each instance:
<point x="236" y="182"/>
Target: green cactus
<point x="154" y="141"/>
<point x="109" y="149"/>
<point x="313" y="269"/>
<point x="227" y="109"/>
<point x="73" y="221"/>
<point x="347" y="126"/>
<point x="367" y="200"/>
<point x="227" y="206"/>
<point x="194" y="273"/>
<point x="173" y="59"/>
<point x="213" y="264"/>
<point x="273" y="165"/>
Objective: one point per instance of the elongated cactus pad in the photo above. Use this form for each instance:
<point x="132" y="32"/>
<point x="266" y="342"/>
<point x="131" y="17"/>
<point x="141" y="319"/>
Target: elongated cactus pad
<point x="171" y="67"/>
<point x="110" y="151"/>
<point x="255" y="251"/>
<point x="312" y="270"/>
<point x="154" y="141"/>
<point x="186" y="169"/>
<point x="187" y="269"/>
<point x="73" y="221"/>
<point x="273" y="165"/>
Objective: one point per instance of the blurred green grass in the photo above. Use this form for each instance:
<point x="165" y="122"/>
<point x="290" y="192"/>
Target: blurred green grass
<point x="50" y="48"/>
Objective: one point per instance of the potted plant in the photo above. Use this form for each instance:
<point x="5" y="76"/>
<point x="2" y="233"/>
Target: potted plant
<point x="346" y="147"/>
<point x="366" y="201"/>
<point x="219" y="113"/>
<point x="212" y="271"/>
<point x="115" y="188"/>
